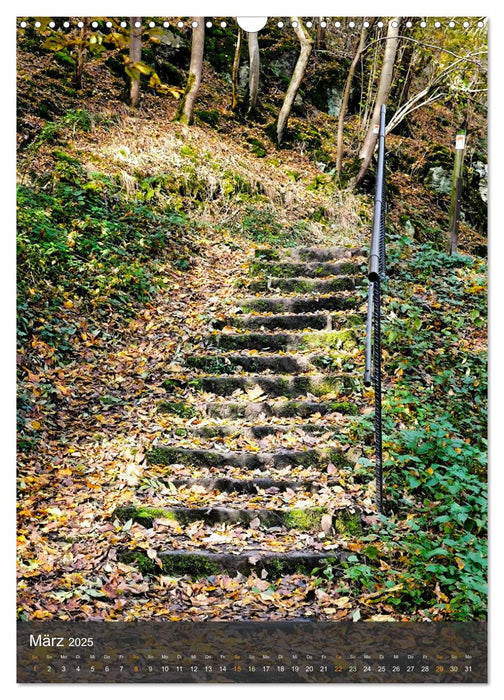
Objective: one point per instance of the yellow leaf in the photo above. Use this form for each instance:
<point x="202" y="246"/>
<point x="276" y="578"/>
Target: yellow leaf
<point x="41" y="615"/>
<point x="35" y="425"/>
<point x="68" y="304"/>
<point x="255" y="392"/>
<point x="341" y="602"/>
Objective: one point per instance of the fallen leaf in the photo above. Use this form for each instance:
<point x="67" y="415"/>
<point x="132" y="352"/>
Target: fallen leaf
<point x="255" y="392"/>
<point x="326" y="523"/>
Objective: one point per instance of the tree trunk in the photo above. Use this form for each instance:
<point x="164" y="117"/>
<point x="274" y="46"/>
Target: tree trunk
<point x="364" y="122"/>
<point x="135" y="55"/>
<point x="253" y="45"/>
<point x="404" y="60"/>
<point x="297" y="76"/>
<point x="236" y="67"/>
<point x="344" y="99"/>
<point x="381" y="98"/>
<point x="185" y="112"/>
<point x="79" y="64"/>
<point x="321" y="34"/>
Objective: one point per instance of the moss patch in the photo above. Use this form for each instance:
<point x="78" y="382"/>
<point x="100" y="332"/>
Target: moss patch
<point x="173" y="455"/>
<point x="140" y="560"/>
<point x="211" y="364"/>
<point x="343" y="407"/>
<point x="191" y="565"/>
<point x="257" y="147"/>
<point x="170" y="384"/>
<point x="209" y="116"/>
<point x="347" y="523"/>
<point x="178" y="408"/>
<point x="143" y="515"/>
<point x="335" y="340"/>
<point x="257" y="305"/>
<point x="336" y="457"/>
<point x="267" y="254"/>
<point x="304" y="518"/>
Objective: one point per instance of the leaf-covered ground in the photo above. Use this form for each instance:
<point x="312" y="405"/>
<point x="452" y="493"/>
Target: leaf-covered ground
<point x="90" y="422"/>
<point x="93" y="419"/>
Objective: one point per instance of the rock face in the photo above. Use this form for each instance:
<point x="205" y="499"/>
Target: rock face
<point x="334" y="97"/>
<point x="439" y="180"/>
<point x="257" y="450"/>
<point x="482" y="171"/>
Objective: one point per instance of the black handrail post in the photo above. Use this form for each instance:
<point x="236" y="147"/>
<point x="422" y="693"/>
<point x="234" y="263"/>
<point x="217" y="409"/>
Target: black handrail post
<point x="376" y="271"/>
<point x="369" y="331"/>
<point x="377" y="394"/>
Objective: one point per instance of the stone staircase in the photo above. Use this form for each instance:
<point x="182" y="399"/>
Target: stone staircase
<point x="256" y="453"/>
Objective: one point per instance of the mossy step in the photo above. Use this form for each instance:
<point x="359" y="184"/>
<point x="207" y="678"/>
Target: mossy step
<point x="285" y="342"/>
<point x="178" y="408"/>
<point x="272" y="385"/>
<point x="344" y="521"/>
<point x="266" y="268"/>
<point x="227" y="364"/>
<point x="316" y="321"/>
<point x="201" y="563"/>
<point x="309" y="253"/>
<point x="319" y="254"/>
<point x="168" y="455"/>
<point x="257" y="431"/>
<point x="252" y="486"/>
<point x="303" y="285"/>
<point x="298" y="304"/>
<point x="280" y="409"/>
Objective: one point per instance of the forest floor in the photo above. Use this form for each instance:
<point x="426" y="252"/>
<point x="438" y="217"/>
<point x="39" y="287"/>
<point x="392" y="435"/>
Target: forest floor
<point x="89" y="459"/>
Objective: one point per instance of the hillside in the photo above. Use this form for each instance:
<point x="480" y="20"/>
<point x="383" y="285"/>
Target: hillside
<point x="168" y="272"/>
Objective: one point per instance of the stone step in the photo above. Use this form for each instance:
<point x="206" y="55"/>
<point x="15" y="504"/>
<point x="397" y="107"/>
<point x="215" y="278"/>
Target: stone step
<point x="240" y="440"/>
<point x="201" y="563"/>
<point x="227" y="364"/>
<point x="167" y="455"/>
<point x="281" y="409"/>
<point x="257" y="432"/>
<point x="303" y="285"/>
<point x="318" y="254"/>
<point x="343" y="521"/>
<point x="298" y="304"/>
<point x="309" y="253"/>
<point x="266" y="268"/>
<point x="316" y="321"/>
<point x="250" y="486"/>
<point x="285" y="342"/>
<point x="271" y="385"/>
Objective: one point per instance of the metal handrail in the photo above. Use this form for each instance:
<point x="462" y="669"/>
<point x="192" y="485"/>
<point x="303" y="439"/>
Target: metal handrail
<point x="376" y="272"/>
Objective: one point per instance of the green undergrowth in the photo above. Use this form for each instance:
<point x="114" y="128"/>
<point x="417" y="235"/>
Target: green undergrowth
<point x="261" y="224"/>
<point x="84" y="245"/>
<point x="432" y="541"/>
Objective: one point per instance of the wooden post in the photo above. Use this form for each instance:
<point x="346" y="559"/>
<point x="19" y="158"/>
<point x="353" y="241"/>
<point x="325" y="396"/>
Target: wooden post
<point x="456" y="191"/>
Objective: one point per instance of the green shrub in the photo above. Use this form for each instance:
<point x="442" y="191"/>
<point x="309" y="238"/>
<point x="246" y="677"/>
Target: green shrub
<point x="432" y="541"/>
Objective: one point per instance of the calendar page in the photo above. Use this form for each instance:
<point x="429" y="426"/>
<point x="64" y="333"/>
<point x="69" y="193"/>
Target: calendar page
<point x="252" y="349"/>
